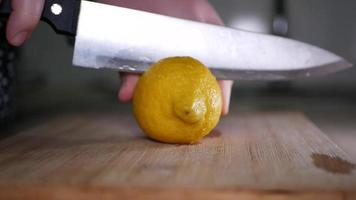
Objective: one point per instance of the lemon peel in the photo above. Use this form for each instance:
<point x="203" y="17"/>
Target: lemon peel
<point x="177" y="100"/>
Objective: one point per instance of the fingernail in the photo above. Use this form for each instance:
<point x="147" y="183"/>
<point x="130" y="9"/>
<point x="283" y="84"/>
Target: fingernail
<point x="19" y="38"/>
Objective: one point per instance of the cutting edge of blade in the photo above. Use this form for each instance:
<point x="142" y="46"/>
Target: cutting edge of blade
<point x="280" y="75"/>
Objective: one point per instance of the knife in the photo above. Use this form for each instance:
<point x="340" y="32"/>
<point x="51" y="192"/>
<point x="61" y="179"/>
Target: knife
<point x="129" y="41"/>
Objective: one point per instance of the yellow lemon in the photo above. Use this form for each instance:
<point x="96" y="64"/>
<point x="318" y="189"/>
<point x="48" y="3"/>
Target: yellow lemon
<point x="177" y="100"/>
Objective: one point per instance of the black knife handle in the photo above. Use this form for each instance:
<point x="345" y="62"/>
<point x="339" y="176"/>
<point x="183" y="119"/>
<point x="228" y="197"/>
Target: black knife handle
<point x="62" y="15"/>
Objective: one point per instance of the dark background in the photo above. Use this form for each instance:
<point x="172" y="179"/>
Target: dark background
<point x="326" y="23"/>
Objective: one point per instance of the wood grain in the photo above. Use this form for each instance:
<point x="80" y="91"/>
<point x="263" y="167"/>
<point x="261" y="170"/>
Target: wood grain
<point x="249" y="156"/>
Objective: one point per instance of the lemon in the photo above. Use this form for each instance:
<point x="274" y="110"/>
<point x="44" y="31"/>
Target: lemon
<point x="177" y="100"/>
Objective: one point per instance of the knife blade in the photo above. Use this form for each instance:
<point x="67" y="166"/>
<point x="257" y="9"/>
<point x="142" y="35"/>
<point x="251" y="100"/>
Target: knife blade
<point x="128" y="40"/>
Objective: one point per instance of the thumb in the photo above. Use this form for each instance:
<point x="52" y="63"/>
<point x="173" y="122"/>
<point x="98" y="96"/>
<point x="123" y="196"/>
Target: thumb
<point x="23" y="19"/>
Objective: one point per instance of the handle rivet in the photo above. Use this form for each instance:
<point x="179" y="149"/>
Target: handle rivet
<point x="56" y="9"/>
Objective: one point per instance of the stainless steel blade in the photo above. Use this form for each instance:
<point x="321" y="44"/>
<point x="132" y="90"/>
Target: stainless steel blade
<point x="129" y="41"/>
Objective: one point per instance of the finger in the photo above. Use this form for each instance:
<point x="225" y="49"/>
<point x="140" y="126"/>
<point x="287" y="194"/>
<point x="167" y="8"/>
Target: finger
<point x="23" y="19"/>
<point x="226" y="87"/>
<point x="128" y="84"/>
<point x="206" y="13"/>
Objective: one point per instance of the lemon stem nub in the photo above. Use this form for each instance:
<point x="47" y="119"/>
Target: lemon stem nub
<point x="190" y="111"/>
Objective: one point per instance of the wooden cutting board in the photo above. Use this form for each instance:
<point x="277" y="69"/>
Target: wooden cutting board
<point x="105" y="156"/>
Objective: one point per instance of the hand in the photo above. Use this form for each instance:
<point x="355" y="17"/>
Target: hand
<point x="24" y="18"/>
<point x="198" y="10"/>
